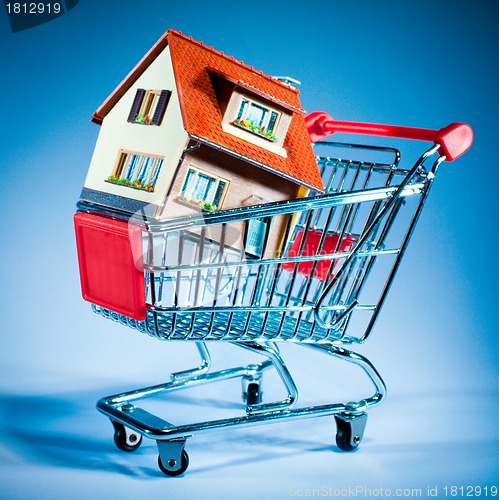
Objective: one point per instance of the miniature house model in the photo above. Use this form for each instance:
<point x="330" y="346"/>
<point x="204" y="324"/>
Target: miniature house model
<point x="192" y="129"/>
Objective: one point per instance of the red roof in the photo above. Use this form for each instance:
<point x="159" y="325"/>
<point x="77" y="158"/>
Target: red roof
<point x="192" y="64"/>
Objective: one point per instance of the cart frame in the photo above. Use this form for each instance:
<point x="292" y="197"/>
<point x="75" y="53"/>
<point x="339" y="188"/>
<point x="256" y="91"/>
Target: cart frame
<point x="306" y="295"/>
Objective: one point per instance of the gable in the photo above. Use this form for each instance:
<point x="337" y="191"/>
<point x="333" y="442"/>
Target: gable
<point x="150" y="152"/>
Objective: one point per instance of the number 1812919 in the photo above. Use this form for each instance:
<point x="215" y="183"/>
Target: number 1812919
<point x="33" y="8"/>
<point x="470" y="491"/>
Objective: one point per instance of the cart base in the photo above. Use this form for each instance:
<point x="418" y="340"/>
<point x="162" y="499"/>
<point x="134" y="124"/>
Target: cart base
<point x="132" y="422"/>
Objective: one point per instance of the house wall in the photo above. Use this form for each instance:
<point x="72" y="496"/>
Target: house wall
<point x="249" y="185"/>
<point x="168" y="139"/>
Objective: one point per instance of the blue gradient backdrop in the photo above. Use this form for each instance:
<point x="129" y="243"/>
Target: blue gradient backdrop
<point x="425" y="64"/>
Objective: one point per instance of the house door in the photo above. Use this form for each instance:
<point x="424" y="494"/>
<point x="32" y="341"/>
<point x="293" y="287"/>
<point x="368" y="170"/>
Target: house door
<point x="256" y="235"/>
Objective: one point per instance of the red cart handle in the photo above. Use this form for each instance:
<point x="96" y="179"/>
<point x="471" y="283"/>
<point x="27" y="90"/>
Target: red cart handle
<point x="454" y="139"/>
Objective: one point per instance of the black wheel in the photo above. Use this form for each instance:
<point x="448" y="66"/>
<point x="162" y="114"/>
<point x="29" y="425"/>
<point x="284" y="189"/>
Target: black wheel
<point x="346" y="440"/>
<point x="124" y="442"/>
<point x="253" y="396"/>
<point x="184" y="463"/>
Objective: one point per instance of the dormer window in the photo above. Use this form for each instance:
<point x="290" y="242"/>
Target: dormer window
<point x="258" y="119"/>
<point x="251" y="114"/>
<point x="149" y="106"/>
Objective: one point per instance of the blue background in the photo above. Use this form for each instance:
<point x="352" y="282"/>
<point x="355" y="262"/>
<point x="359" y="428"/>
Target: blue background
<point x="423" y="64"/>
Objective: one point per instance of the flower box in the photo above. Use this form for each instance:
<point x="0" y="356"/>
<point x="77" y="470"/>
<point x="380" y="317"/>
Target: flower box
<point x="255" y="129"/>
<point x="113" y="179"/>
<point x="201" y="204"/>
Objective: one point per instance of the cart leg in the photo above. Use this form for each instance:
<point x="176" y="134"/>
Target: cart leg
<point x="173" y="459"/>
<point x="365" y="364"/>
<point x="271" y="351"/>
<point x="351" y="422"/>
<point x="200" y="370"/>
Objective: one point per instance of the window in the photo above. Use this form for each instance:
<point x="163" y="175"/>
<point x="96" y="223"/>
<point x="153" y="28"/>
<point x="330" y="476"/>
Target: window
<point x="203" y="190"/>
<point x="149" y="106"/>
<point x="136" y="170"/>
<point x="258" y="119"/>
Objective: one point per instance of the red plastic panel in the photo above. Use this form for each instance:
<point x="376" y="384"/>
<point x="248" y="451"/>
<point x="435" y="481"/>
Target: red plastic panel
<point x="311" y="246"/>
<point x="110" y="277"/>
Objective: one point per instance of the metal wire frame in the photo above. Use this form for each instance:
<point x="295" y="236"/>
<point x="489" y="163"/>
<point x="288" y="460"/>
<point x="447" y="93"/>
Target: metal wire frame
<point x="205" y="288"/>
<point x="120" y="407"/>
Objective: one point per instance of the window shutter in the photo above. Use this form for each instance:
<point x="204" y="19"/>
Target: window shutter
<point x="161" y="107"/>
<point x="137" y="101"/>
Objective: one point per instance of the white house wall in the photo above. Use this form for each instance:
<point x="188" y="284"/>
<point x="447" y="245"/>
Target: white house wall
<point x="168" y="139"/>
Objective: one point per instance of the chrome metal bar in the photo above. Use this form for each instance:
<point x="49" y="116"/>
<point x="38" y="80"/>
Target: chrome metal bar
<point x="401" y="253"/>
<point x="126" y="398"/>
<point x="326" y="163"/>
<point x="120" y="409"/>
<point x="359" y="360"/>
<point x="255" y="308"/>
<point x="263" y="210"/>
<point x="200" y="370"/>
<point x="150" y="277"/>
<point x="167" y="431"/>
<point x="220" y="259"/>
<point x="272" y="352"/>
<point x="393" y="199"/>
<point x="365" y="147"/>
<point x="274" y="261"/>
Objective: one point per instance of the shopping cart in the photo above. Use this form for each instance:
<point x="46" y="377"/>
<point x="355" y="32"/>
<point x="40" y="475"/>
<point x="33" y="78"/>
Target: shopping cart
<point x="210" y="277"/>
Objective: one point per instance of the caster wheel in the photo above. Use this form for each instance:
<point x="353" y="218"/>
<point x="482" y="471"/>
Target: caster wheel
<point x="124" y="441"/>
<point x="253" y="395"/>
<point x="349" y="432"/>
<point x="184" y="463"/>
